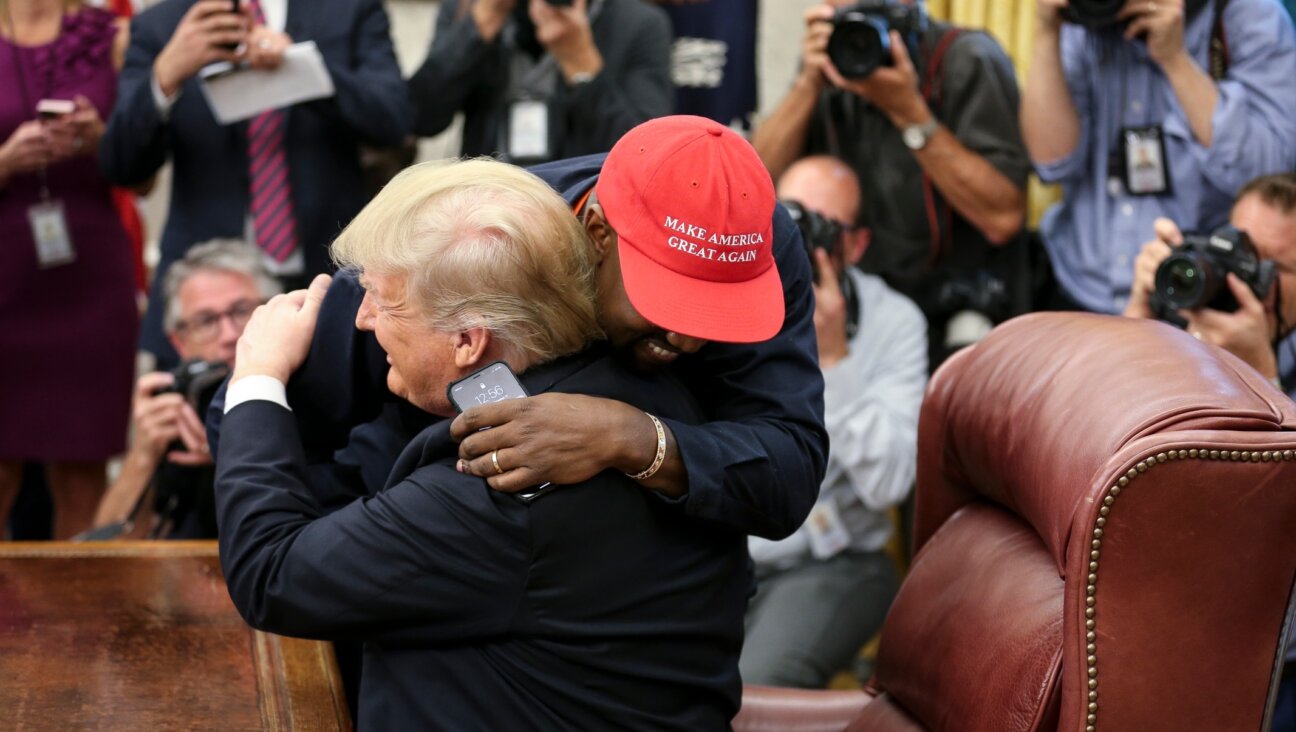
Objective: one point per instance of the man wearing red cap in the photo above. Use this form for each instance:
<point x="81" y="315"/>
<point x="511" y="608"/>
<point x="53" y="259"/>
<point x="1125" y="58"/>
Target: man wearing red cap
<point x="691" y="249"/>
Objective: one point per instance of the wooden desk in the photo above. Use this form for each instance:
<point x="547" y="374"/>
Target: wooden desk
<point x="143" y="636"/>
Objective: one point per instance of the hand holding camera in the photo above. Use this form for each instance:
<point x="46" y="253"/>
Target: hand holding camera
<point x="163" y="417"/>
<point x="210" y="31"/>
<point x="564" y="30"/>
<point x="868" y="54"/>
<point x="1217" y="284"/>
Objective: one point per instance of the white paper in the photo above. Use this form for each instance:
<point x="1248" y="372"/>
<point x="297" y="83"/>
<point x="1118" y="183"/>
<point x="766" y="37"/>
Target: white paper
<point x="236" y="94"/>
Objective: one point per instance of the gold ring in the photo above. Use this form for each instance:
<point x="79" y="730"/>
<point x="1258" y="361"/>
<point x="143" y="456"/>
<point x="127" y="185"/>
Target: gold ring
<point x="1195" y="334"/>
<point x="495" y="462"/>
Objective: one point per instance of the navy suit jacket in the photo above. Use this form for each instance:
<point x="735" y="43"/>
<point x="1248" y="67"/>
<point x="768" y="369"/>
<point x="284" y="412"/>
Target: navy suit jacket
<point x="209" y="188"/>
<point x="595" y="607"/>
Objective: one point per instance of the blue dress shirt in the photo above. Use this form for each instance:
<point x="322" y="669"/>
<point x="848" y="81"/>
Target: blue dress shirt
<point x="1095" y="233"/>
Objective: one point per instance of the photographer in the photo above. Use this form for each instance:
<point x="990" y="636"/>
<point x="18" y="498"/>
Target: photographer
<point x="1257" y="330"/>
<point x="1159" y="109"/>
<point x="931" y="133"/>
<point x="824" y="591"/>
<point x="210" y="293"/>
<point x="539" y="80"/>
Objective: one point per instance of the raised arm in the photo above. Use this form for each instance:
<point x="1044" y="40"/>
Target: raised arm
<point x="755" y="465"/>
<point x="781" y="138"/>
<point x="1050" y="123"/>
<point x="461" y="60"/>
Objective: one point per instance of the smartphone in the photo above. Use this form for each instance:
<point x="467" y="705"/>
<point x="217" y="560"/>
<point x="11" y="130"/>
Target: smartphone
<point x="495" y="383"/>
<point x="50" y="109"/>
<point x="234" y="8"/>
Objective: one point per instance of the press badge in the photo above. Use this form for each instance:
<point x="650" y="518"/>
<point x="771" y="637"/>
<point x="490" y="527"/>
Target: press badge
<point x="828" y="535"/>
<point x="528" y="131"/>
<point x="1146" y="165"/>
<point x="50" y="232"/>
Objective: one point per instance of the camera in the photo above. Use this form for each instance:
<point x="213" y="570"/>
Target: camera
<point x="197" y="381"/>
<point x="817" y="231"/>
<point x="1196" y="274"/>
<point x="1092" y="13"/>
<point x="861" y="36"/>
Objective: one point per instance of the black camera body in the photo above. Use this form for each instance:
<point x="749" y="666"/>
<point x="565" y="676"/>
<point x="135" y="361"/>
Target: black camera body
<point x="1196" y="274"/>
<point x="817" y="231"/>
<point x="1092" y="13"/>
<point x="861" y="36"/>
<point x="197" y="381"/>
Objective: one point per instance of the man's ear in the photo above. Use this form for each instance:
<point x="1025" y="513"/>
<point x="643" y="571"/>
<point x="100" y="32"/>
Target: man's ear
<point x="599" y="230"/>
<point x="856" y="242"/>
<point x="470" y="347"/>
<point x="178" y="346"/>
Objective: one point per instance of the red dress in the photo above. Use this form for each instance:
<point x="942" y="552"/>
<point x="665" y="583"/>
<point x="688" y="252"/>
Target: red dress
<point x="67" y="333"/>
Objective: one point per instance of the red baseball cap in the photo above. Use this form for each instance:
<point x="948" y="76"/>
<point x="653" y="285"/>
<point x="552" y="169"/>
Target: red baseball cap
<point x="693" y="206"/>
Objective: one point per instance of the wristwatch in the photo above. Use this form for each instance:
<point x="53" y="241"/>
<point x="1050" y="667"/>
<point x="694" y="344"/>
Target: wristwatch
<point x="916" y="137"/>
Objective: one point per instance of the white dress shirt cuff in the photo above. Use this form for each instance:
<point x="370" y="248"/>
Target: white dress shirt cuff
<point x="161" y="101"/>
<point x="256" y="387"/>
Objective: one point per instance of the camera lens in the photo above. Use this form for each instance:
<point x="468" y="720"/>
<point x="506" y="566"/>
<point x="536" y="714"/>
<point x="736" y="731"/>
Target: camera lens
<point x="859" y="44"/>
<point x="1185" y="281"/>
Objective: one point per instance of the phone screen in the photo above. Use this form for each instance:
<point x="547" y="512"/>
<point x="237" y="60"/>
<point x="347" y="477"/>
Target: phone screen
<point x="495" y="383"/>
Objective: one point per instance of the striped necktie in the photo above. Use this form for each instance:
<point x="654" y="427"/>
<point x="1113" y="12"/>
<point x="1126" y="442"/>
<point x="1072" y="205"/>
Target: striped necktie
<point x="273" y="218"/>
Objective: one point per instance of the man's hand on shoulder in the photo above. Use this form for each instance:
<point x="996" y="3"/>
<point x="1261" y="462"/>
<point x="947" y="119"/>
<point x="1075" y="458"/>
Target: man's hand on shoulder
<point x="278" y="337"/>
<point x="893" y="89"/>
<point x="552" y="438"/>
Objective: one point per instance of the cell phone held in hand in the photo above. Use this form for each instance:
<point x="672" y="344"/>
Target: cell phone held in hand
<point x="52" y="109"/>
<point x="495" y="383"/>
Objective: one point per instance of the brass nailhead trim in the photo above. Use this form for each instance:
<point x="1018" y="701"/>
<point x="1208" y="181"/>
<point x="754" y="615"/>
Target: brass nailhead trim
<point x="1091" y="590"/>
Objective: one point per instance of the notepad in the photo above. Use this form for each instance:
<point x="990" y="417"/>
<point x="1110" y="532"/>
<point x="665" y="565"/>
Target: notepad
<point x="237" y="93"/>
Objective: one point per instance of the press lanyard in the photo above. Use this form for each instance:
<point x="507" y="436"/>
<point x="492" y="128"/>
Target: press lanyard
<point x="42" y="174"/>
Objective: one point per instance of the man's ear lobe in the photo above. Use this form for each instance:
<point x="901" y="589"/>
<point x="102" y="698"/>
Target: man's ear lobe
<point x="470" y="347"/>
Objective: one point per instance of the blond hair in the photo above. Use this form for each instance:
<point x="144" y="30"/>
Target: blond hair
<point x="483" y="244"/>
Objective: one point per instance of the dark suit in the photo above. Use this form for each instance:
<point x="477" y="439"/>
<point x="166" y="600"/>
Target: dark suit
<point x="209" y="189"/>
<point x="464" y="73"/>
<point x="595" y="607"/>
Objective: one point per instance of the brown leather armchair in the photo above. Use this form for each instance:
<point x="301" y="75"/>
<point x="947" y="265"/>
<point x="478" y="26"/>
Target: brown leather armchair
<point x="1105" y="539"/>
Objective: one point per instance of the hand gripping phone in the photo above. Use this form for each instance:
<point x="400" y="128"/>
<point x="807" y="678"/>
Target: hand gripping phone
<point x="495" y="383"/>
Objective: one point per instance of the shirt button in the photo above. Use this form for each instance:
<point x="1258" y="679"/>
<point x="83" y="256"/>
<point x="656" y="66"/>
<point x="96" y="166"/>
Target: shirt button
<point x="1119" y="303"/>
<point x="1122" y="260"/>
<point x="1127" y="209"/>
<point x="1136" y="106"/>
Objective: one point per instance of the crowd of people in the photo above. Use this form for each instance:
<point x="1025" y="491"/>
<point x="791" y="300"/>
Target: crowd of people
<point x="725" y="341"/>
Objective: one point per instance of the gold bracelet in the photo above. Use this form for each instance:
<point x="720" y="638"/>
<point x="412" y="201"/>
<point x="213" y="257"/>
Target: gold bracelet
<point x="661" y="452"/>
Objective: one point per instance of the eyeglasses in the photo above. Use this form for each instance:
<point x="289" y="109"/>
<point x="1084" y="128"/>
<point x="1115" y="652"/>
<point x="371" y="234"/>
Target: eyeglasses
<point x="205" y="324"/>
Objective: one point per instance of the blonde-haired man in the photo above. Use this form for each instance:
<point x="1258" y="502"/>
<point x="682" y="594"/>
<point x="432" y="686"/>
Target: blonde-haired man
<point x="596" y="606"/>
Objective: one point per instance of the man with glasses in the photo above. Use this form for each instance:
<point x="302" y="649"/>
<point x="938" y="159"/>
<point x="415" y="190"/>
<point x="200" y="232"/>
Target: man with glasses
<point x="823" y="592"/>
<point x="211" y="294"/>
